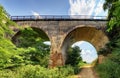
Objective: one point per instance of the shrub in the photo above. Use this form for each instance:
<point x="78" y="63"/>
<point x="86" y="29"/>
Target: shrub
<point x="110" y="68"/>
<point x="30" y="71"/>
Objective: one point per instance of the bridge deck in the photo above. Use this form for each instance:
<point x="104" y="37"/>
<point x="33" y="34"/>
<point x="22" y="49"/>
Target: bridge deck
<point x="58" y="18"/>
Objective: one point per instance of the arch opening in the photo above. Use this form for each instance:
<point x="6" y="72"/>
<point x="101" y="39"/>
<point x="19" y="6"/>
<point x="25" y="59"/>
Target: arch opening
<point x="88" y="53"/>
<point x="33" y="42"/>
<point x="90" y="34"/>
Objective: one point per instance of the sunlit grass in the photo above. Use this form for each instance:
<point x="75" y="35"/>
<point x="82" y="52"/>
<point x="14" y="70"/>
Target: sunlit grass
<point x="85" y="65"/>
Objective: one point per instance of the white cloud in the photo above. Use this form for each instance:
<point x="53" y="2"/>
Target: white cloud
<point x="99" y="7"/>
<point x="81" y="7"/>
<point x="36" y="14"/>
<point x="86" y="7"/>
<point x="88" y="56"/>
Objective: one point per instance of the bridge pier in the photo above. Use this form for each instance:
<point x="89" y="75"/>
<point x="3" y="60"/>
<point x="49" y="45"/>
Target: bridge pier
<point x="56" y="56"/>
<point x="56" y="60"/>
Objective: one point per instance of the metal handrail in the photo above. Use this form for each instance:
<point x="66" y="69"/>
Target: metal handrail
<point x="36" y="17"/>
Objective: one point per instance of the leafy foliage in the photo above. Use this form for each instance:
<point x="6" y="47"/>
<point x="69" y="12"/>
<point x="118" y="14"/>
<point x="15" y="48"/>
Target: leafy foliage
<point x="4" y="24"/>
<point x="110" y="68"/>
<point x="35" y="51"/>
<point x="31" y="50"/>
<point x="30" y="71"/>
<point x="73" y="57"/>
<point x="7" y="48"/>
<point x="113" y="7"/>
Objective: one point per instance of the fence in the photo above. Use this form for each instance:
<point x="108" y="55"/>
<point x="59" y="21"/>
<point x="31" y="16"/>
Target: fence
<point x="60" y="17"/>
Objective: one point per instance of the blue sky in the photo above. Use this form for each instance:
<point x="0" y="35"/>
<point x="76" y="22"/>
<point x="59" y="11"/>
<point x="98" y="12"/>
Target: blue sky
<point x="88" y="51"/>
<point x="43" y="7"/>
<point x="54" y="7"/>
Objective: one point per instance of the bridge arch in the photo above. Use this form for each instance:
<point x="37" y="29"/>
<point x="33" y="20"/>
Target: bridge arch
<point x="41" y="32"/>
<point x="88" y="33"/>
<point x="26" y="25"/>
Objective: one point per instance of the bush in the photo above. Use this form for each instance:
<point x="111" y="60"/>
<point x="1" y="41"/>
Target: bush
<point x="110" y="68"/>
<point x="37" y="71"/>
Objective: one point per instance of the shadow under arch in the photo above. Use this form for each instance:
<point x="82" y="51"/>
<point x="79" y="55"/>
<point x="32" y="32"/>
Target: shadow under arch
<point x="84" y="33"/>
<point x="41" y="32"/>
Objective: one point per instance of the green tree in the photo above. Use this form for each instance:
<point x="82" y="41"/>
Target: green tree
<point x="7" y="48"/>
<point x="73" y="56"/>
<point x="110" y="68"/>
<point x="113" y="7"/>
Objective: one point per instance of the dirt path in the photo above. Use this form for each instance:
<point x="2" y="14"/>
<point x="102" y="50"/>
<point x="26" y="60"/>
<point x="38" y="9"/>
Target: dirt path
<point x="87" y="73"/>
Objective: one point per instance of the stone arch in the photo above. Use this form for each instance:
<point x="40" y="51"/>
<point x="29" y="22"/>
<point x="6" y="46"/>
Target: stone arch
<point x="89" y="33"/>
<point x="42" y="32"/>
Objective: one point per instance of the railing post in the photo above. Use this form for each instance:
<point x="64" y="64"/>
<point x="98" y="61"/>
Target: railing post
<point x="45" y="17"/>
<point x="53" y="17"/>
<point x="61" y="17"/>
<point x="23" y="17"/>
<point x="17" y="17"/>
<point x="30" y="17"/>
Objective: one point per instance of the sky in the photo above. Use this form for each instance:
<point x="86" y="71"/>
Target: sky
<point x="54" y="7"/>
<point x="58" y="7"/>
<point x="88" y="53"/>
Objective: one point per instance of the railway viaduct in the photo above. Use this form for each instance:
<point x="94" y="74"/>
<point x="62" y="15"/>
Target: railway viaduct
<point x="62" y="32"/>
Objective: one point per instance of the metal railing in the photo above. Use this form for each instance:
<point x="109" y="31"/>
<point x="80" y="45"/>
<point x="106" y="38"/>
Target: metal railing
<point x="53" y="17"/>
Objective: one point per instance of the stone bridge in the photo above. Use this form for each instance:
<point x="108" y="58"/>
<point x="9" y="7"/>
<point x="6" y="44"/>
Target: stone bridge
<point x="62" y="33"/>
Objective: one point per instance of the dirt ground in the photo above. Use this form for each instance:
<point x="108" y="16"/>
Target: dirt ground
<point x="88" y="73"/>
